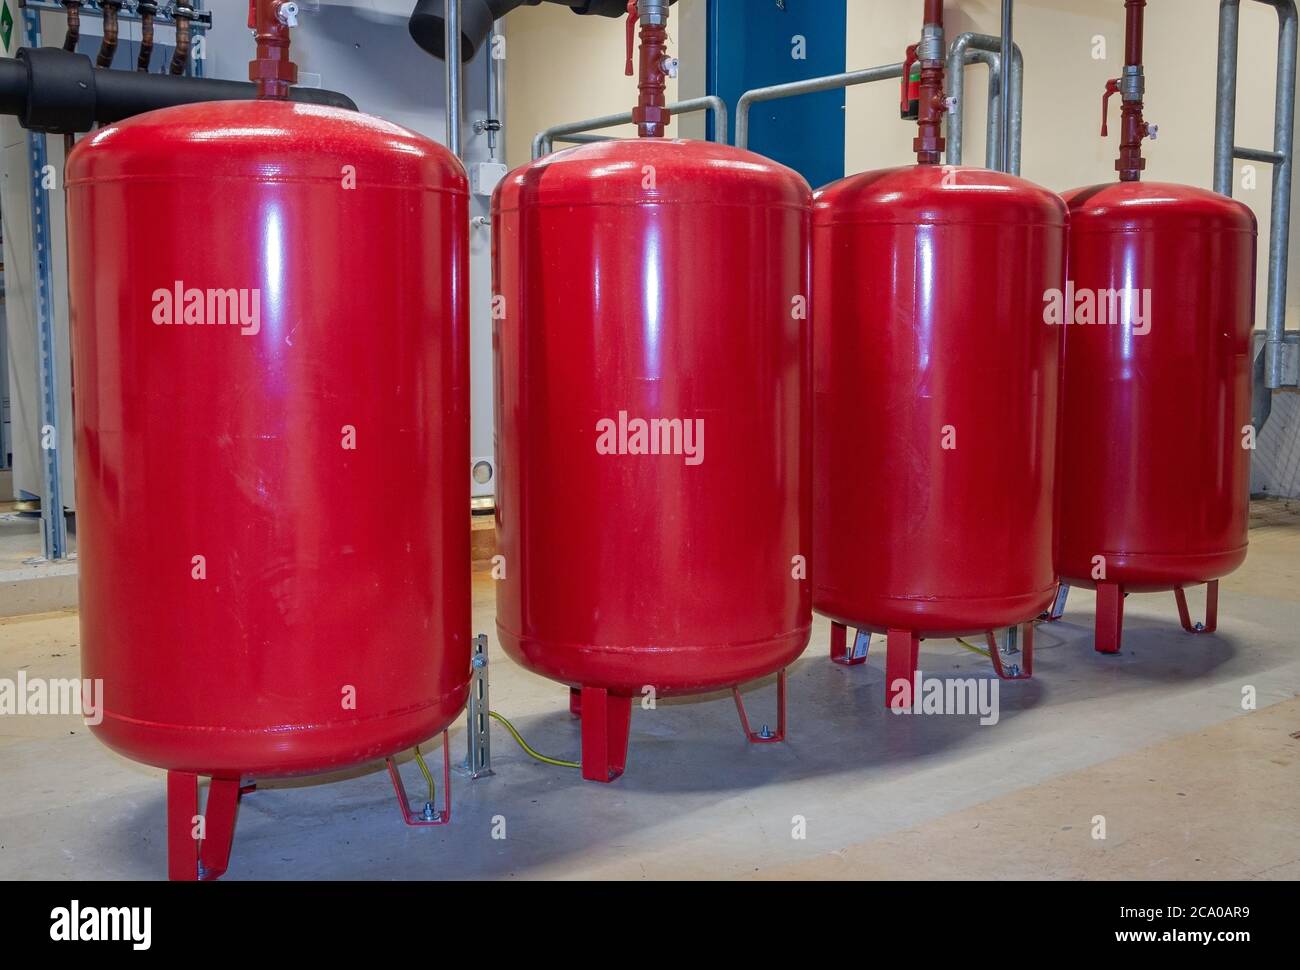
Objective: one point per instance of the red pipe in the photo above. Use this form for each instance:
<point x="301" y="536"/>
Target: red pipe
<point x="271" y="70"/>
<point x="1133" y="127"/>
<point x="651" y="114"/>
<point x="929" y="143"/>
<point x="1133" y="32"/>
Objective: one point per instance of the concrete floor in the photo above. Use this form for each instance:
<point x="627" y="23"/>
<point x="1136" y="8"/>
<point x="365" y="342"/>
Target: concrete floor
<point x="1155" y="740"/>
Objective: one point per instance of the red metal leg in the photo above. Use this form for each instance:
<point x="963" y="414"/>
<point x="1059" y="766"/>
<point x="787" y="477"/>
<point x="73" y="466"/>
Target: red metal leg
<point x="902" y="651"/>
<point x="575" y="702"/>
<point x="182" y="810"/>
<point x="1110" y="617"/>
<point x="1025" y="669"/>
<point x="840" y="652"/>
<point x="765" y="736"/>
<point x="218" y="827"/>
<point x="1211" y="610"/>
<point x="421" y="818"/>
<point x="606" y="721"/>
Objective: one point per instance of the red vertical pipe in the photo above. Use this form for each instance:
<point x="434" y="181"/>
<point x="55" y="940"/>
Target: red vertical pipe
<point x="1133" y="127"/>
<point x="1133" y="31"/>
<point x="651" y="114"/>
<point x="929" y="143"/>
<point x="271" y="70"/>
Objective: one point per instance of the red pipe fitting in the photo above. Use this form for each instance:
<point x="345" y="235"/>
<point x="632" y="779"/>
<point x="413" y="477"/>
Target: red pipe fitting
<point x="271" y="70"/>
<point x="930" y="143"/>
<point x="651" y="114"/>
<point x="1133" y="127"/>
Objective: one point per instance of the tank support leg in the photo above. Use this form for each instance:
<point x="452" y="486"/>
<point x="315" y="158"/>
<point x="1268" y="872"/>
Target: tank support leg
<point x="1110" y="617"/>
<point x="765" y="736"/>
<point x="1211" y="610"/>
<point x="903" y="648"/>
<point x="190" y="858"/>
<point x="427" y="816"/>
<point x="606" y="721"/>
<point x="1058" y="605"/>
<point x="1013" y="671"/>
<point x="182" y="815"/>
<point x="575" y="702"/>
<point x="840" y="653"/>
<point x="219" y="827"/>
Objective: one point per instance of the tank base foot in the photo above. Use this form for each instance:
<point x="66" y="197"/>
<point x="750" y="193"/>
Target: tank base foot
<point x="575" y="702"/>
<point x="428" y="816"/>
<point x="1058" y="605"/>
<point x="902" y="651"/>
<point x="1010" y="670"/>
<point x="606" y="722"/>
<point x="198" y="845"/>
<point x="1110" y="617"/>
<point x="765" y="736"/>
<point x="1211" y="609"/>
<point x="840" y="654"/>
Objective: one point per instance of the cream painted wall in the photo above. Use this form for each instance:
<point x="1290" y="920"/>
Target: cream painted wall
<point x="562" y="67"/>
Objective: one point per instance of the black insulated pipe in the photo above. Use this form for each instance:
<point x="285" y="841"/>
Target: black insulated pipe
<point x="427" y="24"/>
<point x="48" y="89"/>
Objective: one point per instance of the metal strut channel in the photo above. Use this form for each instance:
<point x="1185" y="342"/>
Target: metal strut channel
<point x="1279" y="365"/>
<point x="54" y="526"/>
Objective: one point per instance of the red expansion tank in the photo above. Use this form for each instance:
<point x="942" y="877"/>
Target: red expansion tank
<point x="1154" y="473"/>
<point x="936" y="404"/>
<point x="272" y="417"/>
<point x="653" y="418"/>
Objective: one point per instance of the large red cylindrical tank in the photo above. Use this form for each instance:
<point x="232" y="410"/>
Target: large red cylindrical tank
<point x="272" y="417"/>
<point x="655" y="281"/>
<point x="936" y="402"/>
<point x="1154" y="470"/>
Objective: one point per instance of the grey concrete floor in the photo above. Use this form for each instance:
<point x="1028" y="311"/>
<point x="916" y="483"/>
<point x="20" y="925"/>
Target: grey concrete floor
<point x="1081" y="739"/>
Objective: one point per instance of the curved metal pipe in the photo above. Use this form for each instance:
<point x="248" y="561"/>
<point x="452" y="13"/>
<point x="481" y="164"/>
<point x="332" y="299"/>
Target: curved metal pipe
<point x="983" y="48"/>
<point x="830" y="82"/>
<point x="543" y="142"/>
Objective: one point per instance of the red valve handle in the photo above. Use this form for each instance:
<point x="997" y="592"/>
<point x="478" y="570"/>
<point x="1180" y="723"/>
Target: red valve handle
<point x="1112" y="87"/>
<point x="633" y="14"/>
<point x="908" y="60"/>
<point x="252" y="14"/>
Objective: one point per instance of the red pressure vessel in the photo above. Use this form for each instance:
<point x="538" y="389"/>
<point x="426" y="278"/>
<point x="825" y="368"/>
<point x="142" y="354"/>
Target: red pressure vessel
<point x="271" y="359"/>
<point x="936" y="404"/>
<point x="1154" y="482"/>
<point x="651" y="281"/>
